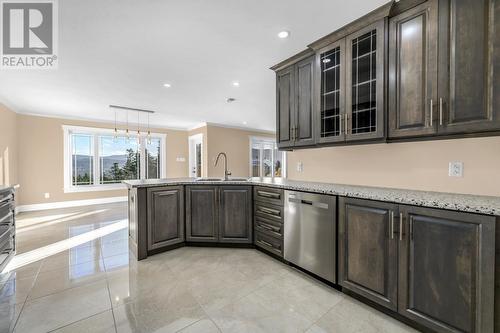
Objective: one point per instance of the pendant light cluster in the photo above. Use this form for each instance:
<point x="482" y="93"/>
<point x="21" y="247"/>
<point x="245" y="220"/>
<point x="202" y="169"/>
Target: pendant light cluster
<point x="127" y="131"/>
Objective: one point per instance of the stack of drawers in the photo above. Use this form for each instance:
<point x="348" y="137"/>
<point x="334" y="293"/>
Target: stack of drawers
<point x="268" y="219"/>
<point x="7" y="226"/>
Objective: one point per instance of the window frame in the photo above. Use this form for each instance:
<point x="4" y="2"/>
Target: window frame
<point x="252" y="140"/>
<point x="95" y="132"/>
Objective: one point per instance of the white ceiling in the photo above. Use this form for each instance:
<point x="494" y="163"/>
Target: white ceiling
<point x="122" y="51"/>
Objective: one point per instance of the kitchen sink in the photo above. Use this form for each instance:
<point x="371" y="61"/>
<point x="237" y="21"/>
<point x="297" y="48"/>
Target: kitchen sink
<point x="209" y="179"/>
<point x="214" y="179"/>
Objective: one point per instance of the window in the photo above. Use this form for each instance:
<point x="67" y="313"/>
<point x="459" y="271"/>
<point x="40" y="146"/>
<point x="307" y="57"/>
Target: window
<point x="266" y="159"/>
<point x="97" y="160"/>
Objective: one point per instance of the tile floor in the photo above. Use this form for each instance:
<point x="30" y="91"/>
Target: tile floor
<point x="75" y="274"/>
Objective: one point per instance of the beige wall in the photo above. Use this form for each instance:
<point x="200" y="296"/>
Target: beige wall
<point x="415" y="165"/>
<point x="41" y="160"/>
<point x="8" y="147"/>
<point x="236" y="144"/>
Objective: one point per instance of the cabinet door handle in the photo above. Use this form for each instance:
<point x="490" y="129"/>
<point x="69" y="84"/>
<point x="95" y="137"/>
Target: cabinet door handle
<point x="346" y="129"/>
<point x="400" y="226"/>
<point x="391" y="227"/>
<point x="441" y="111"/>
<point x="432" y="113"/>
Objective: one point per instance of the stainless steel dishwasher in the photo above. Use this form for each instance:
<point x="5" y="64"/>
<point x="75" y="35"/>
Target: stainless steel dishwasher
<point x="310" y="232"/>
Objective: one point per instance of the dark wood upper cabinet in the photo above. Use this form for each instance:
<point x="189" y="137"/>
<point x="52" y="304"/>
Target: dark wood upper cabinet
<point x="469" y="55"/>
<point x="165" y="217"/>
<point x="368" y="250"/>
<point x="304" y="122"/>
<point x="446" y="265"/>
<point x="295" y="104"/>
<point x="285" y="104"/>
<point x="201" y="213"/>
<point x="235" y="214"/>
<point x="365" y="83"/>
<point x="410" y="69"/>
<point x="413" y="71"/>
<point x="330" y="67"/>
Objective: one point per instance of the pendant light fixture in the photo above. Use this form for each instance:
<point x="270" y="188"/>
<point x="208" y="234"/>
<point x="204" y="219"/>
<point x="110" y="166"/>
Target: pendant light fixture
<point x="127" y="130"/>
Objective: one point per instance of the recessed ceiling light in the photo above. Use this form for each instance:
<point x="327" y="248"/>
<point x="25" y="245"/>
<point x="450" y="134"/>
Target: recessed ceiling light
<point x="236" y="83"/>
<point x="244" y="123"/>
<point x="283" y="34"/>
<point x="167" y="85"/>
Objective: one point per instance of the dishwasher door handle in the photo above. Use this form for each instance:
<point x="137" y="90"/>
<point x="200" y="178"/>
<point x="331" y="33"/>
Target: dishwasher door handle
<point x="316" y="204"/>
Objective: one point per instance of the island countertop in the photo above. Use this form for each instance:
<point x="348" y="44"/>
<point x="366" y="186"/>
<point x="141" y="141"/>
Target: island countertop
<point x="488" y="205"/>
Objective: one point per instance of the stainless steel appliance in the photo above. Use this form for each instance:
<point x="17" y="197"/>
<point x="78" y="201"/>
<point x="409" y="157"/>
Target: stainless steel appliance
<point x="310" y="232"/>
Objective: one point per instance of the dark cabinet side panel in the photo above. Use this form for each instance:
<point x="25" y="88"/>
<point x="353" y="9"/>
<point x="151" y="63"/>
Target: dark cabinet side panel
<point x="235" y="214"/>
<point x="446" y="270"/>
<point x="368" y="250"/>
<point x="165" y="216"/>
<point x="201" y="213"/>
<point x="413" y="40"/>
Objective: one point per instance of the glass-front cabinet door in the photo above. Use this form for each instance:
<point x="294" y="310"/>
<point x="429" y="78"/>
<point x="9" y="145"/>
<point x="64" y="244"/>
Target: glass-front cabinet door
<point x="330" y="63"/>
<point x="365" y="53"/>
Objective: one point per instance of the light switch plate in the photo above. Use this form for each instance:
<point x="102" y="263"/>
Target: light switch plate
<point x="456" y="169"/>
<point x="300" y="167"/>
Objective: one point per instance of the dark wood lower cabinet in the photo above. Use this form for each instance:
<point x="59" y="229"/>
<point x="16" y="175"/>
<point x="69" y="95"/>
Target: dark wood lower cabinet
<point x="368" y="250"/>
<point x="446" y="269"/>
<point x="201" y="213"/>
<point x="219" y="214"/>
<point x="165" y="217"/>
<point x="235" y="214"/>
<point x="433" y="266"/>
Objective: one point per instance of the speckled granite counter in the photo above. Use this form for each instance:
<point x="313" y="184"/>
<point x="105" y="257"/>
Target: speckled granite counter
<point x="459" y="202"/>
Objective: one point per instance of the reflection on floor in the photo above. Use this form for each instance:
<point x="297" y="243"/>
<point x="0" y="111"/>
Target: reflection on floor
<point x="88" y="282"/>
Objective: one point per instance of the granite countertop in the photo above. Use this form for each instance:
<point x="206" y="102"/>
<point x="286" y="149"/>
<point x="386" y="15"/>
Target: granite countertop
<point x="459" y="202"/>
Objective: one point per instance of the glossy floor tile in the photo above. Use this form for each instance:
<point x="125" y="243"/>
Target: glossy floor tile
<point x="73" y="273"/>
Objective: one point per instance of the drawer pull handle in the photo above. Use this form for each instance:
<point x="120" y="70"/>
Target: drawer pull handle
<point x="268" y="227"/>
<point x="269" y="210"/>
<point x="263" y="242"/>
<point x="268" y="194"/>
<point x="6" y="216"/>
<point x="8" y="198"/>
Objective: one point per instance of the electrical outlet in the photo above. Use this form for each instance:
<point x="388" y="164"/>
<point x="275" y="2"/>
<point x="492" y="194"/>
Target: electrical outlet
<point x="300" y="167"/>
<point x="181" y="159"/>
<point x="456" y="169"/>
<point x="46" y="195"/>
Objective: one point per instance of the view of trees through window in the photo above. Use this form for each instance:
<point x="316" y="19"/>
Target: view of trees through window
<point x="119" y="158"/>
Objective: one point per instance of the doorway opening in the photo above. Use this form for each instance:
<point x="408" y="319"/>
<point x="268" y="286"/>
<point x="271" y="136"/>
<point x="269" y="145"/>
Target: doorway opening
<point x="195" y="155"/>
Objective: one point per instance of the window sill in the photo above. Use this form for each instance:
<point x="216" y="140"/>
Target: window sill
<point x="95" y="188"/>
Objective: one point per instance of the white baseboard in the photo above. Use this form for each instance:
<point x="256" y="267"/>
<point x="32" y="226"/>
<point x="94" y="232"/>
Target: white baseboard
<point x="66" y="204"/>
